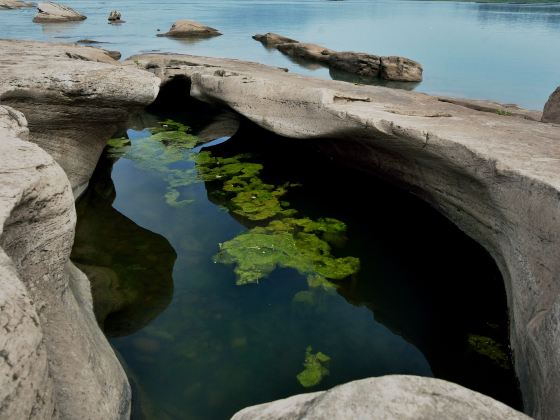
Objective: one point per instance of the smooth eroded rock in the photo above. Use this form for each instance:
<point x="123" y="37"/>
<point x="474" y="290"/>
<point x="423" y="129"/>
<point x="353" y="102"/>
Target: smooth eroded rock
<point x="551" y="112"/>
<point x="366" y="65"/>
<point x="190" y="29"/>
<point x="73" y="97"/>
<point x="55" y="13"/>
<point x="56" y="363"/>
<point x="395" y="397"/>
<point x="495" y="175"/>
<point x="305" y="51"/>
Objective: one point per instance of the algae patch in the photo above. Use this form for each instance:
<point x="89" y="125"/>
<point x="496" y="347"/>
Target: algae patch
<point x="489" y="348"/>
<point x="315" y="368"/>
<point x="301" y="244"/>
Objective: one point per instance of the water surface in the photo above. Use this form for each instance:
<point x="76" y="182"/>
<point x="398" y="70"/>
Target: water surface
<point x="203" y="336"/>
<point x="504" y="52"/>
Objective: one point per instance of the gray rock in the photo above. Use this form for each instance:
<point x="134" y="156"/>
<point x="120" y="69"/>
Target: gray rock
<point x="366" y="65"/>
<point x="272" y="40"/>
<point x="74" y="98"/>
<point x="55" y="13"/>
<point x="14" y="4"/>
<point x="551" y="112"/>
<point x="305" y="51"/>
<point x="56" y="361"/>
<point x="495" y="176"/>
<point x="400" y="69"/>
<point x="190" y="29"/>
<point x="395" y="397"/>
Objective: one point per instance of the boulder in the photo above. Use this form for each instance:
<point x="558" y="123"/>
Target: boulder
<point x="300" y="50"/>
<point x="55" y="13"/>
<point x="14" y="4"/>
<point x="366" y="65"/>
<point x="400" y="69"/>
<point x="551" y="112"/>
<point x="495" y="175"/>
<point x="190" y="29"/>
<point x="272" y="40"/>
<point x="395" y="397"/>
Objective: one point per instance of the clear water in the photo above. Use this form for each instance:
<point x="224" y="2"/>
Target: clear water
<point x="504" y="52"/>
<point x="198" y="346"/>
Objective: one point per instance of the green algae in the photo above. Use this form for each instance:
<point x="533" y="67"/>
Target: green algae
<point x="315" y="368"/>
<point x="299" y="244"/>
<point x="488" y="347"/>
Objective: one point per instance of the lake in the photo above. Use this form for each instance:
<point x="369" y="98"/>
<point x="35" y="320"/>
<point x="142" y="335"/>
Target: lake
<point x="504" y="52"/>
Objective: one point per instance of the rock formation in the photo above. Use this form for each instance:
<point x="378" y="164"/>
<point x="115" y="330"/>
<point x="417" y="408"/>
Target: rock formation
<point x="190" y="29"/>
<point x="551" y="111"/>
<point x="14" y="4"/>
<point x="56" y="361"/>
<point x="73" y="97"/>
<point x="395" y="397"/>
<point x="399" y="69"/>
<point x="56" y="13"/>
<point x="494" y="174"/>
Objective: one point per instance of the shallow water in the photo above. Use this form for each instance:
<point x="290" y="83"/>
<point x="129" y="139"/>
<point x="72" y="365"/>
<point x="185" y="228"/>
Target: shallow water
<point x="504" y="52"/>
<point x="200" y="341"/>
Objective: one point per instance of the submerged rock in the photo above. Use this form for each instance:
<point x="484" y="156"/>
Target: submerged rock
<point x="395" y="397"/>
<point x="399" y="69"/>
<point x="14" y="4"/>
<point x="55" y="13"/>
<point x="190" y="29"/>
<point x="551" y="111"/>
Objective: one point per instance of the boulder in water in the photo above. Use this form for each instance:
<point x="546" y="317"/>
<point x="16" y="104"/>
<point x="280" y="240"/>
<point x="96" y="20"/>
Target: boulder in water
<point x="50" y="12"/>
<point x="190" y="29"/>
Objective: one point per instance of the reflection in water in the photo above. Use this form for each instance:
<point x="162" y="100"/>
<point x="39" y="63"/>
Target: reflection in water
<point x="129" y="267"/>
<point x="269" y="299"/>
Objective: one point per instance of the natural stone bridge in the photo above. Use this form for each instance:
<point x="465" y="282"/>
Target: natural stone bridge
<point x="493" y="170"/>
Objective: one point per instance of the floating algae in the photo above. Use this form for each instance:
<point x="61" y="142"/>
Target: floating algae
<point x="489" y="348"/>
<point x="315" y="368"/>
<point x="291" y="243"/>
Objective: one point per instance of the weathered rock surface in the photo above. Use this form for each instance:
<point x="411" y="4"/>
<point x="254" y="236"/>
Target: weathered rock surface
<point x="395" y="397"/>
<point x="190" y="29"/>
<point x="271" y="39"/>
<point x="56" y="362"/>
<point x="551" y="111"/>
<point x="50" y="12"/>
<point x="495" y="176"/>
<point x="399" y="69"/>
<point x="73" y="97"/>
<point x="14" y="4"/>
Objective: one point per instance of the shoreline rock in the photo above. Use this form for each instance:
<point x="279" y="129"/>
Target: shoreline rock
<point x="190" y="29"/>
<point x="494" y="174"/>
<point x="51" y="12"/>
<point x="393" y="68"/>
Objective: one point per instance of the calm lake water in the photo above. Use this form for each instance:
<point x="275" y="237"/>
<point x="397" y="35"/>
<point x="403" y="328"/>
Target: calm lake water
<point x="504" y="52"/>
<point x="210" y="270"/>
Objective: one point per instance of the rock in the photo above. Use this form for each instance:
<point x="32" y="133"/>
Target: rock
<point x="551" y="113"/>
<point x="366" y="65"/>
<point x="400" y="69"/>
<point x="495" y="176"/>
<point x="14" y="4"/>
<point x="115" y="17"/>
<point x="115" y="55"/>
<point x="88" y="41"/>
<point x="74" y="98"/>
<point x="56" y="361"/>
<point x="273" y="40"/>
<point x="304" y="51"/>
<point x="190" y="29"/>
<point x="55" y="13"/>
<point x="397" y="397"/>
